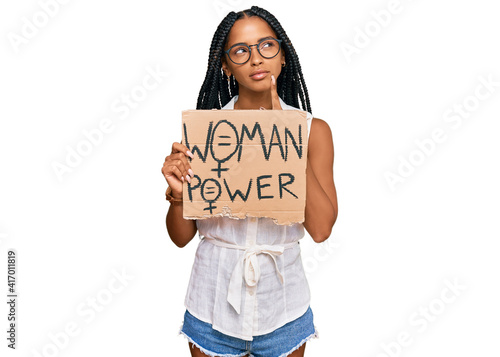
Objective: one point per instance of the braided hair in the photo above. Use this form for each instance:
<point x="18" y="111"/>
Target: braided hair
<point x="218" y="89"/>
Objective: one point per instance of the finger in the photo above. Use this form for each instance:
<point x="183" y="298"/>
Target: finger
<point x="274" y="94"/>
<point x="178" y="147"/>
<point x="179" y="163"/>
<point x="172" y="170"/>
<point x="187" y="165"/>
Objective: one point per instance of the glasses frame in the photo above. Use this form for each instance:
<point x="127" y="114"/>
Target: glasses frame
<point x="258" y="49"/>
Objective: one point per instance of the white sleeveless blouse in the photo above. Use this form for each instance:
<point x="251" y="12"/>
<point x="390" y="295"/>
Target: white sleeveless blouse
<point x="247" y="278"/>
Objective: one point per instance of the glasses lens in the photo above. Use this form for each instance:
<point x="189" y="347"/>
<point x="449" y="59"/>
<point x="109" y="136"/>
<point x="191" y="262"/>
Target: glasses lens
<point x="269" y="48"/>
<point x="239" y="54"/>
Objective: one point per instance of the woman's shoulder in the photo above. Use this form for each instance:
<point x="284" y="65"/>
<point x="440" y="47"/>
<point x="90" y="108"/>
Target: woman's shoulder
<point x="320" y="127"/>
<point x="320" y="135"/>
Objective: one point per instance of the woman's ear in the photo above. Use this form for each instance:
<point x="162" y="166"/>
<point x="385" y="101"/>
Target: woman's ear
<point x="225" y="69"/>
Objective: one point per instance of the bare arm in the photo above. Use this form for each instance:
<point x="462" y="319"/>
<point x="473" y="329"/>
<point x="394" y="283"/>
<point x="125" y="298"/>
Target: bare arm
<point x="180" y="230"/>
<point x="177" y="170"/>
<point x="321" y="197"/>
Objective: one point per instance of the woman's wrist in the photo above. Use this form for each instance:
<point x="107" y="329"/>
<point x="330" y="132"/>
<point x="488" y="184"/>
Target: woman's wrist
<point x="173" y="197"/>
<point x="176" y="195"/>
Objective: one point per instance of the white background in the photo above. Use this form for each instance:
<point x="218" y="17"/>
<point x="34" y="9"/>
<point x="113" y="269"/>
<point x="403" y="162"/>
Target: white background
<point x="391" y="251"/>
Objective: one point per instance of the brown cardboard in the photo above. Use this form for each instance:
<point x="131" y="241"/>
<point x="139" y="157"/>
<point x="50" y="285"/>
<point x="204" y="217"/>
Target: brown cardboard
<point x="227" y="158"/>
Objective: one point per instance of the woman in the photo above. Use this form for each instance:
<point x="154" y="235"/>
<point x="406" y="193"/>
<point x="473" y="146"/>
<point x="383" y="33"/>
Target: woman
<point x="252" y="65"/>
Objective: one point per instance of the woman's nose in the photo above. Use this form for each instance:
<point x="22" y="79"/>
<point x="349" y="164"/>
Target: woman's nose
<point x="255" y="57"/>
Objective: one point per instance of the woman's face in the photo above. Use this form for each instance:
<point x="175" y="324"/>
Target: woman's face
<point x="250" y="30"/>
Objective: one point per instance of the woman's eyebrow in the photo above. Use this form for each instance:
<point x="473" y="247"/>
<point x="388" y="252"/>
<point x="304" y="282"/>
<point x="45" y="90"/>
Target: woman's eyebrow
<point x="245" y="43"/>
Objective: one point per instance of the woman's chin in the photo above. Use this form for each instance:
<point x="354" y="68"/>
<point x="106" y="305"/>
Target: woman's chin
<point x="259" y="88"/>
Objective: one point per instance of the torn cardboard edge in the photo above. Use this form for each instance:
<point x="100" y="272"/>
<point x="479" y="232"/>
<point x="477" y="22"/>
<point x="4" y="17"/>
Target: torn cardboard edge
<point x="226" y="212"/>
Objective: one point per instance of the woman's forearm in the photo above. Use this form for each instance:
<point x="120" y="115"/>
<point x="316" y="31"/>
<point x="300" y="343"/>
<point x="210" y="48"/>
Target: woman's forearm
<point x="320" y="214"/>
<point x="180" y="230"/>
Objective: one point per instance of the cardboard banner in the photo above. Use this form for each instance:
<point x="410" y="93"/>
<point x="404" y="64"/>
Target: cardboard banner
<point x="246" y="163"/>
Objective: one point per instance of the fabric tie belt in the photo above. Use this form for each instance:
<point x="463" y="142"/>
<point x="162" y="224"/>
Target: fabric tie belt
<point x="251" y="271"/>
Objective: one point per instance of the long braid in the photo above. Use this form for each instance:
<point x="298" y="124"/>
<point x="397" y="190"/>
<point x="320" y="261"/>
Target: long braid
<point x="294" y="77"/>
<point x="210" y="92"/>
<point x="217" y="91"/>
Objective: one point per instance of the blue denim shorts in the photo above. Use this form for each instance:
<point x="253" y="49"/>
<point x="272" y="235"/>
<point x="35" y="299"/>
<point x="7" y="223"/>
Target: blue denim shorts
<point x="279" y="343"/>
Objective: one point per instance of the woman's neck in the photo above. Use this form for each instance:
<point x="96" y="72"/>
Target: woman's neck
<point x="253" y="100"/>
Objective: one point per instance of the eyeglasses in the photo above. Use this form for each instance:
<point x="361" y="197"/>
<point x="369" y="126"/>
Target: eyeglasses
<point x="267" y="48"/>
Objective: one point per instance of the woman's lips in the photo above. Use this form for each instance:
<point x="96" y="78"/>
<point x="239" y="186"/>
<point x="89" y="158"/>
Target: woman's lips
<point x="259" y="75"/>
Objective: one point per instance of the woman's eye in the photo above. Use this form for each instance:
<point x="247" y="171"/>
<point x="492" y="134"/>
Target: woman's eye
<point x="240" y="50"/>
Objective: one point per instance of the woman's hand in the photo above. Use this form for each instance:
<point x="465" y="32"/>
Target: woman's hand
<point x="274" y="94"/>
<point x="177" y="169"/>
